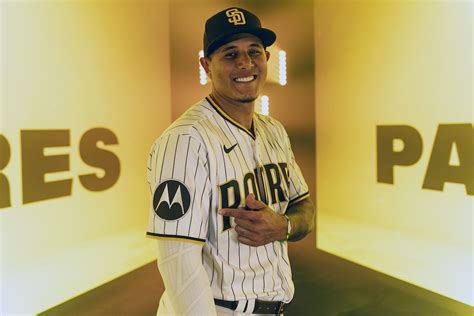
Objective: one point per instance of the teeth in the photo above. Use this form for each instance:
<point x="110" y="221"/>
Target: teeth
<point x="244" y="79"/>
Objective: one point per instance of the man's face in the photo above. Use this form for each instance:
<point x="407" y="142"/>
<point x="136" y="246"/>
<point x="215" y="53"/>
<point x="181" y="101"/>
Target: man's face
<point x="238" y="69"/>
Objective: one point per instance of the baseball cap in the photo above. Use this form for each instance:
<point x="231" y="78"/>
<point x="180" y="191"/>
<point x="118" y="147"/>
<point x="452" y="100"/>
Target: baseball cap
<point x="221" y="28"/>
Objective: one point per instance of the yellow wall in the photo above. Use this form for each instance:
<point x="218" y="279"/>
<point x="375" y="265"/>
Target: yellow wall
<point x="72" y="67"/>
<point x="381" y="64"/>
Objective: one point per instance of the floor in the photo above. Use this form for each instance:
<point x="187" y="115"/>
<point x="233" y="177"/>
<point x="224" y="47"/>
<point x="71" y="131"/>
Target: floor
<point x="325" y="284"/>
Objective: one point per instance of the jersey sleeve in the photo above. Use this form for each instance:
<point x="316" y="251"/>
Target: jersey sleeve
<point x="297" y="184"/>
<point x="180" y="189"/>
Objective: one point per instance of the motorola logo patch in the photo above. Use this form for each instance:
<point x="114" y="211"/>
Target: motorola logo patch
<point x="171" y="200"/>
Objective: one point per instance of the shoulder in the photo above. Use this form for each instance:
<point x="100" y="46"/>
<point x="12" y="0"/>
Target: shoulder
<point x="272" y="124"/>
<point x="188" y="124"/>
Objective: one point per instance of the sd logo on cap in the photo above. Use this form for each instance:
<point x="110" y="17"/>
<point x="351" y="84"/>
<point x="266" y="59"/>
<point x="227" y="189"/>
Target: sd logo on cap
<point x="236" y="17"/>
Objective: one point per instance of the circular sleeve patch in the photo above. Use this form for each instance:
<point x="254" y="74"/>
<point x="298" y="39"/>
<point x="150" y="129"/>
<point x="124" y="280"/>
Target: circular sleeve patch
<point x="171" y="200"/>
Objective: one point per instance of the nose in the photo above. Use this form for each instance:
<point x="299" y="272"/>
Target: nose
<point x="244" y="61"/>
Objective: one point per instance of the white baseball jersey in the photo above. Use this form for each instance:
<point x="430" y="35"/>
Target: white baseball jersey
<point x="206" y="161"/>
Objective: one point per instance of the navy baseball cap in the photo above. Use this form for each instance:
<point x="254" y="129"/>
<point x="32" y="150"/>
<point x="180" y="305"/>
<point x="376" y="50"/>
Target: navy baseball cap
<point x="221" y="28"/>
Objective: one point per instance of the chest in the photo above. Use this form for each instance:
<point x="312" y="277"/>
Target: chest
<point x="240" y="164"/>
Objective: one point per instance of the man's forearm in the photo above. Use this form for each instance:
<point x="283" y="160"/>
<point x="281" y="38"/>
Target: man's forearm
<point x="301" y="217"/>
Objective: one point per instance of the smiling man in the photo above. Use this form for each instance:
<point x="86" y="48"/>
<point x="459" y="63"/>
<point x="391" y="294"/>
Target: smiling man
<point x="227" y="194"/>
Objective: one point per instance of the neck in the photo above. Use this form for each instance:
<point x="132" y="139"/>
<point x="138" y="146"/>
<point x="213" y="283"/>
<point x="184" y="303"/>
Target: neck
<point x="241" y="112"/>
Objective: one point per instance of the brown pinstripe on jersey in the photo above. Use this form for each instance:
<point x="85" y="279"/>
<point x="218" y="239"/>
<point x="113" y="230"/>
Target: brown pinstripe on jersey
<point x="207" y="156"/>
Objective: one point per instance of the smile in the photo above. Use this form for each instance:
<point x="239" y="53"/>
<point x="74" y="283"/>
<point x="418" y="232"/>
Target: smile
<point x="245" y="79"/>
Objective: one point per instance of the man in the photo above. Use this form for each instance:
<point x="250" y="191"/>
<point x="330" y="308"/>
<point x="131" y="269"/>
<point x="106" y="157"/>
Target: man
<point x="227" y="193"/>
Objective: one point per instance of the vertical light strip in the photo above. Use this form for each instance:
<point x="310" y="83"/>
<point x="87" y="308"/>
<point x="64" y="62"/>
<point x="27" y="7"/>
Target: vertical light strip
<point x="202" y="72"/>
<point x="265" y="103"/>
<point x="258" y="105"/>
<point x="282" y="68"/>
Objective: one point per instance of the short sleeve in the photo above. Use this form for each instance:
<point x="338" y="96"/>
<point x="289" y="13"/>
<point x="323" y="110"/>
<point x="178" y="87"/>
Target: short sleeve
<point x="180" y="189"/>
<point x="297" y="184"/>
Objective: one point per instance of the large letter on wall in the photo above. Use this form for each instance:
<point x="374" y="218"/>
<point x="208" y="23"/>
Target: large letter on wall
<point x="388" y="158"/>
<point x="439" y="168"/>
<point x="96" y="157"/>
<point x="35" y="164"/>
<point x="4" y="185"/>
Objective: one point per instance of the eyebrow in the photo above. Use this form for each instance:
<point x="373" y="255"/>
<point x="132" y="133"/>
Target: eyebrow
<point x="233" y="47"/>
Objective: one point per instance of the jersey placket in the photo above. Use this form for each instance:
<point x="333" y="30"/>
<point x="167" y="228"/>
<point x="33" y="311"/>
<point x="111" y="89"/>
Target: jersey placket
<point x="256" y="147"/>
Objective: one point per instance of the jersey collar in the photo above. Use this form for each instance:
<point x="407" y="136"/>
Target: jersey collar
<point x="221" y="112"/>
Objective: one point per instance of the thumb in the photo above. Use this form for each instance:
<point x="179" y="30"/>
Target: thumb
<point x="254" y="204"/>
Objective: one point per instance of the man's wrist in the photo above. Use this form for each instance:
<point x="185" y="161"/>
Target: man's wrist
<point x="288" y="228"/>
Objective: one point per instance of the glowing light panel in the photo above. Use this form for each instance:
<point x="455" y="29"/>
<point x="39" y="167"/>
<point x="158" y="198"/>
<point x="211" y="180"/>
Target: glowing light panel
<point x="73" y="242"/>
<point x="262" y="105"/>
<point x="417" y="76"/>
<point x="265" y="110"/>
<point x="282" y="67"/>
<point x="202" y="72"/>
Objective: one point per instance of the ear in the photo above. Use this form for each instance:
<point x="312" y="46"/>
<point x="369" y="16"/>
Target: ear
<point x="268" y="54"/>
<point x="204" y="61"/>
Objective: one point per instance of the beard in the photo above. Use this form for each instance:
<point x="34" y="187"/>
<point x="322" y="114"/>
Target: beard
<point x="247" y="100"/>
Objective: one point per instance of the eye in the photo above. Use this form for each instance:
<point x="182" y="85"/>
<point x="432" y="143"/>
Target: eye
<point x="230" y="55"/>
<point x="254" y="52"/>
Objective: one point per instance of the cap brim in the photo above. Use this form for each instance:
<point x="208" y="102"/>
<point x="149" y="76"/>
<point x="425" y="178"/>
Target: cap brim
<point x="267" y="37"/>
